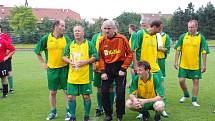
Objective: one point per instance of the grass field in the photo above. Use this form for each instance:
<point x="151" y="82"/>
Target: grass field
<point x="30" y="100"/>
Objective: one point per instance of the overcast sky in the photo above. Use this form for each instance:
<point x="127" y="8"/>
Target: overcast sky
<point x="110" y="8"/>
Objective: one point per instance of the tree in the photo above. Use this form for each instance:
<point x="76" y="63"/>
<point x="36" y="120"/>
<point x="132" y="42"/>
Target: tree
<point x="125" y="19"/>
<point x="23" y="22"/>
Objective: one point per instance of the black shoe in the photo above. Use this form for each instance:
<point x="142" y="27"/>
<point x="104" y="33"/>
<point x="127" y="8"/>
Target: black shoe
<point x="1" y="89"/>
<point x="99" y="112"/>
<point x="119" y="118"/>
<point x="11" y="91"/>
<point x="146" y="116"/>
<point x="72" y="119"/>
<point x="4" y="95"/>
<point x="157" y="116"/>
<point x="87" y="118"/>
<point x="108" y="118"/>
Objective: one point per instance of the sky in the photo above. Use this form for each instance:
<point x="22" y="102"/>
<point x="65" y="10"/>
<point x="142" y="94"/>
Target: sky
<point x="110" y="8"/>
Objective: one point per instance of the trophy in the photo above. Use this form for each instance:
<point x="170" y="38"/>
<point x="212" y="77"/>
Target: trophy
<point x="76" y="57"/>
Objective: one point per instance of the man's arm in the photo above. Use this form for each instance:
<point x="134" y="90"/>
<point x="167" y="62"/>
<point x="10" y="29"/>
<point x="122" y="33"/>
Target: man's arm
<point x="11" y="49"/>
<point x="176" y="59"/>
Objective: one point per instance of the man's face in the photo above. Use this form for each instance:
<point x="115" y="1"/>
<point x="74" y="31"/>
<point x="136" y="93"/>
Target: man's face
<point x="155" y="30"/>
<point x="144" y="25"/>
<point x="141" y="71"/>
<point x="61" y="27"/>
<point x="192" y="28"/>
<point x="78" y="32"/>
<point x="109" y="30"/>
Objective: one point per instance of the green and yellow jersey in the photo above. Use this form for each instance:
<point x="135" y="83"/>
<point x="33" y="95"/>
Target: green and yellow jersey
<point x="146" y="46"/>
<point x="165" y="44"/>
<point x="96" y="40"/>
<point x="150" y="89"/>
<point x="191" y="47"/>
<point x="53" y="48"/>
<point x="86" y="50"/>
<point x="132" y="40"/>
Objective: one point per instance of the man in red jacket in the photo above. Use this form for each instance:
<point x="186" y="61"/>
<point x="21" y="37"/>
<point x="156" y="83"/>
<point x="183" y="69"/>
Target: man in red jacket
<point x="115" y="57"/>
<point x="4" y="56"/>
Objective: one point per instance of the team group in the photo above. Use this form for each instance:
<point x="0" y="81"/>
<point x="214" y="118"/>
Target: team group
<point x="72" y="65"/>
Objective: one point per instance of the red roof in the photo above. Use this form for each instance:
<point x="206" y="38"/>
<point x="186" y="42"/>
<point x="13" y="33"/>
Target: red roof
<point x="40" y="13"/>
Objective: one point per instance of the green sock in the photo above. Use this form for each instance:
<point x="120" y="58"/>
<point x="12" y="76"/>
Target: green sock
<point x="72" y="107"/>
<point x="10" y="80"/>
<point x="186" y="94"/>
<point x="194" y="99"/>
<point x="99" y="100"/>
<point x="54" y="110"/>
<point x="67" y="110"/>
<point x="87" y="106"/>
<point x="112" y="95"/>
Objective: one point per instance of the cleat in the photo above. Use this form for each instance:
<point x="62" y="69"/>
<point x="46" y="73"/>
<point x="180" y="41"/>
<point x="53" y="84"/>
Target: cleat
<point x="139" y="116"/>
<point x="164" y="114"/>
<point x="72" y="119"/>
<point x="183" y="99"/>
<point x="195" y="104"/>
<point x="11" y="91"/>
<point x="51" y="116"/>
<point x="68" y="115"/>
<point x="99" y="112"/>
<point x="108" y="118"/>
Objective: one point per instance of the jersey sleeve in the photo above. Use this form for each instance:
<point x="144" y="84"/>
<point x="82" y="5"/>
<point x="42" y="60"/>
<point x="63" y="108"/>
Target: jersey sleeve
<point x="67" y="50"/>
<point x="94" y="38"/>
<point x="41" y="45"/>
<point x="168" y="43"/>
<point x="179" y="43"/>
<point x="92" y="50"/>
<point x="204" y="45"/>
<point x="134" y="86"/>
<point x="158" y="86"/>
<point x="133" y="41"/>
<point x="68" y="40"/>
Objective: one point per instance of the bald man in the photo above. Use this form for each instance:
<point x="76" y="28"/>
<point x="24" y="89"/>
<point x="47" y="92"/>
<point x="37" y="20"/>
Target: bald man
<point x="80" y="54"/>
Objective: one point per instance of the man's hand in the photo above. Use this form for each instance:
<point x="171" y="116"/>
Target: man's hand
<point x="45" y="66"/>
<point x="132" y="71"/>
<point x="94" y="67"/>
<point x="5" y="58"/>
<point x="176" y="66"/>
<point x="203" y="68"/>
<point x="104" y="76"/>
<point x="121" y="73"/>
<point x="82" y="63"/>
<point x="137" y="104"/>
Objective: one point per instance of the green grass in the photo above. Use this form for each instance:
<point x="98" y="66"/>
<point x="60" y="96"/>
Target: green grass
<point x="24" y="45"/>
<point x="30" y="100"/>
<point x="211" y="43"/>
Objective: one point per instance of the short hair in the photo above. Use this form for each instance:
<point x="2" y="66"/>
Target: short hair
<point x="78" y="25"/>
<point x="156" y="23"/>
<point x="194" y="21"/>
<point x="133" y="27"/>
<point x="56" y="23"/>
<point x="144" y="64"/>
<point x="110" y="23"/>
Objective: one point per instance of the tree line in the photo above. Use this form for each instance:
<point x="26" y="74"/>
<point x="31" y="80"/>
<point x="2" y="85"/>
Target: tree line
<point x="22" y="25"/>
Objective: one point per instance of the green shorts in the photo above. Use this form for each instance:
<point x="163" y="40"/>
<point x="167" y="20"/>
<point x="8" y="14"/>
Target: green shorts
<point x="148" y="106"/>
<point x="159" y="74"/>
<point x="97" y="79"/>
<point x="190" y="74"/>
<point x="57" y="78"/>
<point x="78" y="89"/>
<point x="161" y="63"/>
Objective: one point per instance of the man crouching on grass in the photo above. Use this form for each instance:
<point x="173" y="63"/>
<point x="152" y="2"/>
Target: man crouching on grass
<point x="146" y="93"/>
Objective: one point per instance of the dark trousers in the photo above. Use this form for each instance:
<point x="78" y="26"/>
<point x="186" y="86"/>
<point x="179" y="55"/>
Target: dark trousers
<point x="112" y="71"/>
